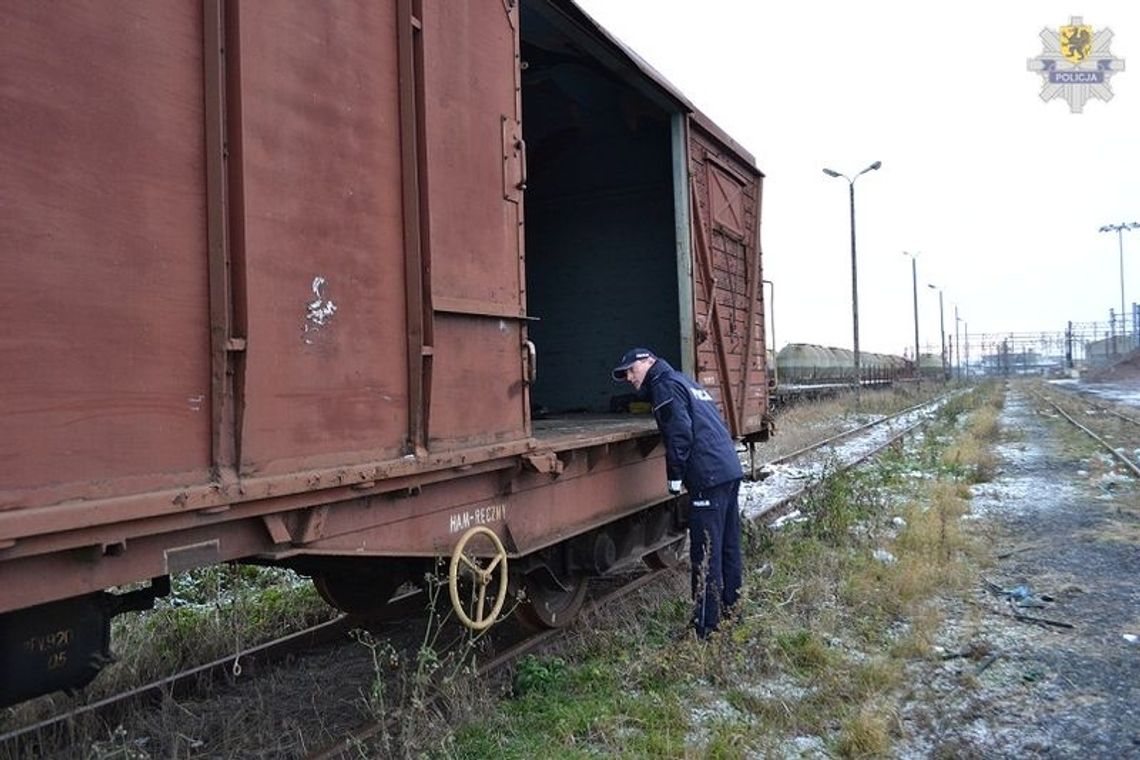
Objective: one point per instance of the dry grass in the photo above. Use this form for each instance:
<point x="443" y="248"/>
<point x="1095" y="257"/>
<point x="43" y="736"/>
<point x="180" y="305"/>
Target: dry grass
<point x="971" y="453"/>
<point x="867" y="733"/>
<point x="933" y="557"/>
<point x="984" y="424"/>
<point x="1127" y="532"/>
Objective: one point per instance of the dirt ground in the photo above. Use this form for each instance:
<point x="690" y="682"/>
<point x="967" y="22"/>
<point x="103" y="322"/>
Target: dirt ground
<point x="1067" y="529"/>
<point x="1126" y="370"/>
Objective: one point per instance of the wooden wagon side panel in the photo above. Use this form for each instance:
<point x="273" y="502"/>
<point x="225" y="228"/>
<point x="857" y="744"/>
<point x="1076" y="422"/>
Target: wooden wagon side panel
<point x="319" y="205"/>
<point x="105" y="377"/>
<point x="725" y="197"/>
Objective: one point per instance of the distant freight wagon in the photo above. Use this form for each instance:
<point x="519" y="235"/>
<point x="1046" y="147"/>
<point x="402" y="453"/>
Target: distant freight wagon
<point x="337" y="286"/>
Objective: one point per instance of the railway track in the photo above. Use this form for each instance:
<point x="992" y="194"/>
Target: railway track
<point x="1122" y="429"/>
<point x="786" y="484"/>
<point x="791" y="476"/>
<point x="28" y="741"/>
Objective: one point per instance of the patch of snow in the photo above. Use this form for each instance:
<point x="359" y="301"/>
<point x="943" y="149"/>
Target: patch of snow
<point x="795" y="516"/>
<point x="803" y="748"/>
<point x="1111" y="480"/>
<point x="702" y="717"/>
<point x="1025" y="477"/>
<point x="783" y="688"/>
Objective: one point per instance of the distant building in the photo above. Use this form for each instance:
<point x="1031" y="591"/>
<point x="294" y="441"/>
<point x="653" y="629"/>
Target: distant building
<point x="1024" y="362"/>
<point x="1101" y="352"/>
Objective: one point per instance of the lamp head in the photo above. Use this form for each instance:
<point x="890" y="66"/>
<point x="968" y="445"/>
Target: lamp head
<point x="831" y="173"/>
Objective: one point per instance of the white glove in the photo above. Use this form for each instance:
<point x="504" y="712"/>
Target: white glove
<point x="674" y="487"/>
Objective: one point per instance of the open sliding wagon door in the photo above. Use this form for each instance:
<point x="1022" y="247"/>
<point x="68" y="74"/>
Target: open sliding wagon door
<point x="472" y="179"/>
<point x="725" y="195"/>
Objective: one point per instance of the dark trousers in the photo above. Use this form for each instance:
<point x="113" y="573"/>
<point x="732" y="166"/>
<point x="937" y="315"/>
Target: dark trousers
<point x="714" y="548"/>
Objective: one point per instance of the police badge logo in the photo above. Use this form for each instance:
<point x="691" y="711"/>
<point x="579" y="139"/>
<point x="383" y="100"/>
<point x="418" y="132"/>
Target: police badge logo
<point x="1076" y="64"/>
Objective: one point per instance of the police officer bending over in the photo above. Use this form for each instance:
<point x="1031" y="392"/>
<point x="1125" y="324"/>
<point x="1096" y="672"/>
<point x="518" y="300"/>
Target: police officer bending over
<point x="699" y="454"/>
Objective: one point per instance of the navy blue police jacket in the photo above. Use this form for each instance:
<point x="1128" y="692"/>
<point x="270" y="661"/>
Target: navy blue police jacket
<point x="698" y="448"/>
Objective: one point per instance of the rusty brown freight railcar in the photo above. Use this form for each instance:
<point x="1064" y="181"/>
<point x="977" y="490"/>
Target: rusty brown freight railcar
<point x="334" y="285"/>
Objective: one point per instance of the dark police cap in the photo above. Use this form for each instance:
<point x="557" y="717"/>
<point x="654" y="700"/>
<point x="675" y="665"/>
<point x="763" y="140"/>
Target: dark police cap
<point x="627" y="360"/>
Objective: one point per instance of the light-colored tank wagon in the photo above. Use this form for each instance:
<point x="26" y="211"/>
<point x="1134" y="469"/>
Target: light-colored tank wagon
<point x="337" y="287"/>
<point x="842" y="365"/>
<point x="799" y="363"/>
<point x="807" y="369"/>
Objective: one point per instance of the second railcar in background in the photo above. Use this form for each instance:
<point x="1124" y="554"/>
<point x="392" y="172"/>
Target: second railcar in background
<point x="808" y="363"/>
<point x="807" y="370"/>
<point x="285" y="283"/>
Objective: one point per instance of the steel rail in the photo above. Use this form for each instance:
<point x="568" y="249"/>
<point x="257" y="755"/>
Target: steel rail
<point x="1115" y="413"/>
<point x="782" y="506"/>
<point x="850" y="433"/>
<point x="1111" y="449"/>
<point x="1101" y="407"/>
<point x="269" y="651"/>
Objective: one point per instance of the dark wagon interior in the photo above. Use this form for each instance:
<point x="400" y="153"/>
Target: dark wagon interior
<point x="601" y="247"/>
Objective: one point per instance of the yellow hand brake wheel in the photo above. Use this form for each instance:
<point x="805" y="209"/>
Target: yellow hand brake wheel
<point x="481" y="571"/>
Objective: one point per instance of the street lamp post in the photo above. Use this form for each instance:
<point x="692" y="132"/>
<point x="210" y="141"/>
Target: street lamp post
<point x="957" y="345"/>
<point x="941" y="326"/>
<point x="1119" y="230"/>
<point x="854" y="269"/>
<point x="966" y="330"/>
<point x="914" y="293"/>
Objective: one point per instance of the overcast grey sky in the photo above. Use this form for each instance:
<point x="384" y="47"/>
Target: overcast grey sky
<point x="1001" y="192"/>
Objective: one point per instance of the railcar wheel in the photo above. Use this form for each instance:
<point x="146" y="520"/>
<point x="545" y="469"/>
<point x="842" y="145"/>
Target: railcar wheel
<point x="480" y="573"/>
<point x="668" y="556"/>
<point x="551" y="607"/>
<point x="364" y="594"/>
